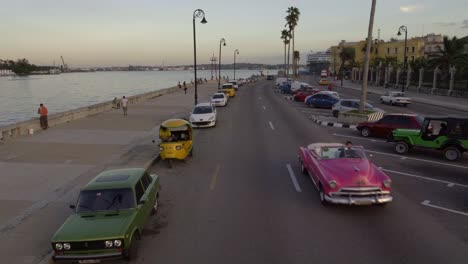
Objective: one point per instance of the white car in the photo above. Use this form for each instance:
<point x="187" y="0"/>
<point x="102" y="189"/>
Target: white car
<point x="394" y="98"/>
<point x="203" y="115"/>
<point x="219" y="99"/>
<point x="234" y="84"/>
<point x="351" y="104"/>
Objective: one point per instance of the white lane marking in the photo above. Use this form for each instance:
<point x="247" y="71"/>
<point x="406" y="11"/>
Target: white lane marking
<point x="271" y="125"/>
<point x="423" y="160"/>
<point x="264" y="107"/>
<point x="363" y="138"/>
<point x="428" y="203"/>
<point x="449" y="184"/>
<point x="293" y="178"/>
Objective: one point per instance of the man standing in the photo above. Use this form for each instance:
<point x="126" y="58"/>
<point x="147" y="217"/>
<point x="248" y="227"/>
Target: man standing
<point x="42" y="111"/>
<point x="185" y="87"/>
<point x="124" y="105"/>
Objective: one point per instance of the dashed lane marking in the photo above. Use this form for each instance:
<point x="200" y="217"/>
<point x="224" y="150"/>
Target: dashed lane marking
<point x="214" y="177"/>
<point x="428" y="203"/>
<point x="271" y="125"/>
<point x="264" y="108"/>
<point x="449" y="184"/>
<point x="293" y="178"/>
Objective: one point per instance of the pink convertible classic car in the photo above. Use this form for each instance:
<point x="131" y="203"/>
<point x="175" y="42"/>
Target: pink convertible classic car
<point x="344" y="175"/>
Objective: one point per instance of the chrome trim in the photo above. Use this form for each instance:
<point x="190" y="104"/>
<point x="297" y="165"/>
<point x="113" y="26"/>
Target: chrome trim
<point x="359" y="200"/>
<point x="87" y="257"/>
<point x="360" y="189"/>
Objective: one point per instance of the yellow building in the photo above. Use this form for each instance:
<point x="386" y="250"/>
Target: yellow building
<point x="380" y="48"/>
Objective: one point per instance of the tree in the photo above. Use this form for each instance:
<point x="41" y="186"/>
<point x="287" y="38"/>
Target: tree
<point x="296" y="58"/>
<point x="418" y="63"/>
<point x="291" y="22"/>
<point x="451" y="55"/>
<point x="347" y="54"/>
<point x="285" y="36"/>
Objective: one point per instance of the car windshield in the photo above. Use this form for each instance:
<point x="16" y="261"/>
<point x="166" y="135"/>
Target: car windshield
<point x="342" y="153"/>
<point x="202" y="110"/>
<point x="218" y="96"/>
<point x="105" y="200"/>
<point x="420" y="120"/>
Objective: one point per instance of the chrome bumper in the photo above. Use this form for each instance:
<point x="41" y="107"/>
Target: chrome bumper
<point x="359" y="200"/>
<point x="88" y="257"/>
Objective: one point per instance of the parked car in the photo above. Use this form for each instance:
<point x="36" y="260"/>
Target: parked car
<point x="324" y="82"/>
<point x="228" y="89"/>
<point x="296" y="86"/>
<point x="383" y="128"/>
<point x="344" y="175"/>
<point x="321" y="100"/>
<point x="269" y="77"/>
<point x="395" y="98"/>
<point x="219" y="99"/>
<point x="280" y="80"/>
<point x="447" y="134"/>
<point x="302" y="95"/>
<point x="285" y="88"/>
<point x="234" y="84"/>
<point x="351" y="104"/>
<point x="109" y="217"/>
<point x="203" y="115"/>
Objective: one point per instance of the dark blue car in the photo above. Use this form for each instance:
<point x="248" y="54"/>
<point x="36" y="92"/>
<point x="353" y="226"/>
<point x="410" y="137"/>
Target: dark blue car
<point x="285" y="88"/>
<point x="321" y="100"/>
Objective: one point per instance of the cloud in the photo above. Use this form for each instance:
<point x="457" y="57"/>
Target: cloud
<point x="465" y="23"/>
<point x="411" y="8"/>
<point x="445" y="24"/>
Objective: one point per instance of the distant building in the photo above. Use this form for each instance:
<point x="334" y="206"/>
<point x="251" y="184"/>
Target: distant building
<point x="433" y="44"/>
<point x="318" y="61"/>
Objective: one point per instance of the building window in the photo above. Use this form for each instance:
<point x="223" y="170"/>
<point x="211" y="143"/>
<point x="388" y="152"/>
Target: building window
<point x="396" y="50"/>
<point x="413" y="49"/>
<point x="388" y="50"/>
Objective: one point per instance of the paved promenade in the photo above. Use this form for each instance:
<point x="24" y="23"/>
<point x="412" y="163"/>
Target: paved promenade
<point x="42" y="174"/>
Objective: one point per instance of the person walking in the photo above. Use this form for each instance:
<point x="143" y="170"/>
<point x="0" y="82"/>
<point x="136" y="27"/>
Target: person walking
<point x="180" y="86"/>
<point x="124" y="103"/>
<point x="185" y="89"/>
<point x="43" y="112"/>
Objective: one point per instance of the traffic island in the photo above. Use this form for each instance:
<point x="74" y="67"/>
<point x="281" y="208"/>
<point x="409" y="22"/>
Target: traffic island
<point x="355" y="117"/>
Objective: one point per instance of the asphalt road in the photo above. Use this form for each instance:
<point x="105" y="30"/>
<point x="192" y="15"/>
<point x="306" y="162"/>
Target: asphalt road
<point x="236" y="201"/>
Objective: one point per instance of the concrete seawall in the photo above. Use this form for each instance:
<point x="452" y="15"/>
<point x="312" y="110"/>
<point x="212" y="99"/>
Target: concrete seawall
<point x="23" y="128"/>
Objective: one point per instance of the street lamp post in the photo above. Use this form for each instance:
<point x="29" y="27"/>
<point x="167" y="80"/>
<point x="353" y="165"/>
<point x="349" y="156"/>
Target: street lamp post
<point x="403" y="28"/>
<point x="236" y="52"/>
<point x="222" y="41"/>
<point x="196" y="14"/>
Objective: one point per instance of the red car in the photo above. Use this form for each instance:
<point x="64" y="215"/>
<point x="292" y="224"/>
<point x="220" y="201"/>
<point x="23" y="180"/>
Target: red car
<point x="300" y="96"/>
<point x="344" y="175"/>
<point x="384" y="127"/>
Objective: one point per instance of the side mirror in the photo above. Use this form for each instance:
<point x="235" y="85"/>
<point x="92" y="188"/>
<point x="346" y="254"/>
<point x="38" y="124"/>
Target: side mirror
<point x="72" y="206"/>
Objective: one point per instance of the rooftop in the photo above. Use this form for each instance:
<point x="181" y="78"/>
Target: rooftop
<point x="115" y="179"/>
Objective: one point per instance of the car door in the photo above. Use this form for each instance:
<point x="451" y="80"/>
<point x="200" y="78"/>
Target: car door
<point x="317" y="100"/>
<point x="142" y="204"/>
<point x="328" y="101"/>
<point x="385" y="126"/>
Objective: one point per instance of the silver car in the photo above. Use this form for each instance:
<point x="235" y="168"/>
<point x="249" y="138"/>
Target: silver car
<point x="351" y="104"/>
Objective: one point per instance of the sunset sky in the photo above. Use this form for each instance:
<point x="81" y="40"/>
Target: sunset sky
<point x="150" y="32"/>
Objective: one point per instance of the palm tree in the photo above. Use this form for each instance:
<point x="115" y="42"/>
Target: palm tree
<point x="285" y="36"/>
<point x="450" y="55"/>
<point x="296" y="57"/>
<point x="291" y="22"/>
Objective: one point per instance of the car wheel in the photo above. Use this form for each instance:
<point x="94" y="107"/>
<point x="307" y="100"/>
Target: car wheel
<point x="365" y="132"/>
<point x="452" y="153"/>
<point x="169" y="163"/>
<point x="391" y="103"/>
<point x="191" y="152"/>
<point x="382" y="101"/>
<point x="155" y="206"/>
<point x="322" y="196"/>
<point x="335" y="113"/>
<point x="132" y="252"/>
<point x="401" y="147"/>
<point x="405" y="105"/>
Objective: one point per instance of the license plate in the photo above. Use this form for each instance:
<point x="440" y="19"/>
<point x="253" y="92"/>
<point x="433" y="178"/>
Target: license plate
<point x="89" y="261"/>
<point x="362" y="202"/>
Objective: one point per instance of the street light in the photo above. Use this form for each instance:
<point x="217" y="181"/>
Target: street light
<point x="236" y="52"/>
<point x="403" y="28"/>
<point x="221" y="41"/>
<point x="197" y="14"/>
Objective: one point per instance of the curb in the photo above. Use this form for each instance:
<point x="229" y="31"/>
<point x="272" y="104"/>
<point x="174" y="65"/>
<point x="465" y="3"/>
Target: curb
<point x="331" y="124"/>
<point x="156" y="158"/>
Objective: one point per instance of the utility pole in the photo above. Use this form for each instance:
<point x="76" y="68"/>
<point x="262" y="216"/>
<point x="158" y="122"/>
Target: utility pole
<point x="366" y="65"/>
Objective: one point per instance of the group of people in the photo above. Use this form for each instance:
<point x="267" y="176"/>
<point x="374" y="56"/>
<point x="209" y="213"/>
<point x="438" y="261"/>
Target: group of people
<point x="117" y="103"/>
<point x="167" y="136"/>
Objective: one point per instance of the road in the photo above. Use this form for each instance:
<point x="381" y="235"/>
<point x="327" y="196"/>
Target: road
<point x="242" y="198"/>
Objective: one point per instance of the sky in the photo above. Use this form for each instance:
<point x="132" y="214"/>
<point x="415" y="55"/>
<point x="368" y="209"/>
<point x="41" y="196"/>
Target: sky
<point x="154" y="32"/>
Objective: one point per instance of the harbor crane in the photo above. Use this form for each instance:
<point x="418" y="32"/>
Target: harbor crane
<point x="64" y="65"/>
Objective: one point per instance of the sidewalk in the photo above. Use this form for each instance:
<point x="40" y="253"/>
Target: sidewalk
<point x="42" y="174"/>
<point x="456" y="103"/>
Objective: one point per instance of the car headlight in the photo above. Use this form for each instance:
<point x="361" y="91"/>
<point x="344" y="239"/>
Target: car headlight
<point x="117" y="243"/>
<point x="108" y="243"/>
<point x="211" y="118"/>
<point x="332" y="184"/>
<point x="387" y="183"/>
<point x="66" y="246"/>
<point x="178" y="147"/>
<point x="161" y="148"/>
<point x="58" y="246"/>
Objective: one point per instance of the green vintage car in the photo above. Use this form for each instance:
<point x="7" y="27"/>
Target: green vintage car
<point x="447" y="134"/>
<point x="108" y="217"/>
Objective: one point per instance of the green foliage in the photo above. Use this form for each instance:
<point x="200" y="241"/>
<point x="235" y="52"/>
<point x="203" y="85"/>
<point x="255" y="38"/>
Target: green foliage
<point x="418" y="63"/>
<point x="451" y="55"/>
<point x="20" y="67"/>
<point x="285" y="36"/>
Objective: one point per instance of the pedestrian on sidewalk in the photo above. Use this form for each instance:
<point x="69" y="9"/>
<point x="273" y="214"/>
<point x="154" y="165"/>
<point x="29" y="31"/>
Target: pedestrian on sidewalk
<point x="43" y="112"/>
<point x="185" y="89"/>
<point x="180" y="86"/>
<point x="206" y="81"/>
<point x="124" y="105"/>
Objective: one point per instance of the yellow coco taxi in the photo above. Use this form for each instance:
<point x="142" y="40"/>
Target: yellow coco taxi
<point x="228" y="89"/>
<point x="176" y="140"/>
<point x="323" y="82"/>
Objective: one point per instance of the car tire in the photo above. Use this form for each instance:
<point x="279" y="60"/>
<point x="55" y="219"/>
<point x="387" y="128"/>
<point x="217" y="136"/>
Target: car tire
<point x="335" y="113"/>
<point x="405" y="105"/>
<point x="191" y="152"/>
<point x="155" y="208"/>
<point x="391" y="103"/>
<point x="132" y="252"/>
<point x="382" y="101"/>
<point x="452" y="153"/>
<point x="322" y="196"/>
<point x="169" y="163"/>
<point x="401" y="147"/>
<point x="365" y="132"/>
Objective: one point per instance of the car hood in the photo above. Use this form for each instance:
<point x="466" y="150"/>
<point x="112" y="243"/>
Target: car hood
<point x="352" y="172"/>
<point x="94" y="226"/>
<point x="198" y="117"/>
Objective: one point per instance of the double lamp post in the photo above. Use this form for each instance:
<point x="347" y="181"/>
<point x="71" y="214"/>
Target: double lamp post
<point x="196" y="14"/>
